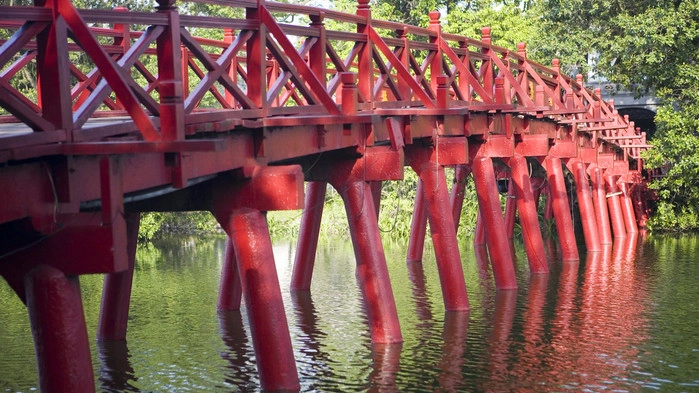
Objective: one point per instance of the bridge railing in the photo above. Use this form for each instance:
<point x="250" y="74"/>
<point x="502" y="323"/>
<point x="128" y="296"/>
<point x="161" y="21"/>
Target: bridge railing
<point x="176" y="75"/>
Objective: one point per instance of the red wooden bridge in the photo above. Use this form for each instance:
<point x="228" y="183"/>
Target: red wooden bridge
<point x="110" y="113"/>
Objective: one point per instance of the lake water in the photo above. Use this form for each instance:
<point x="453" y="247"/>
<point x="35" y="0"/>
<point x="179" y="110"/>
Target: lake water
<point x="626" y="320"/>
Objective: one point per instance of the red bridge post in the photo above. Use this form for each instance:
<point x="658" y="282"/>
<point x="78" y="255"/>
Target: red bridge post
<point x="457" y="195"/>
<point x="627" y="207"/>
<point x="442" y="226"/>
<point x="60" y="335"/>
<point x="561" y="209"/>
<point x="587" y="210"/>
<point x="268" y="325"/>
<point x="615" y="207"/>
<point x="491" y="212"/>
<point x="230" y="290"/>
<point x="418" y="225"/>
<point x="526" y="205"/>
<point x="309" y="232"/>
<point x="510" y="208"/>
<point x="599" y="198"/>
<point x="116" y="291"/>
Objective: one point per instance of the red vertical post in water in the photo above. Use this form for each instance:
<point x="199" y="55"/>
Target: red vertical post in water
<point x="116" y="291"/>
<point x="489" y="205"/>
<point x="510" y="208"/>
<point x="418" y="225"/>
<point x="230" y="290"/>
<point x="308" y="236"/>
<point x="274" y="355"/>
<point x="627" y="208"/>
<point x="372" y="271"/>
<point x="561" y="209"/>
<point x="456" y="198"/>
<point x="599" y="198"/>
<point x="60" y="335"/>
<point x="479" y="230"/>
<point x="451" y="275"/>
<point x="615" y="212"/>
<point x="528" y="217"/>
<point x="587" y="210"/>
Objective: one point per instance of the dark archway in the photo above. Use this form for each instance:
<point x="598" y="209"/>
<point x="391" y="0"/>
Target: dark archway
<point x="643" y="117"/>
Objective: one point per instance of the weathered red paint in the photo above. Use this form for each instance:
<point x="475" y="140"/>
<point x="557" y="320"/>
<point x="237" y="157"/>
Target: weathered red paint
<point x="418" y="225"/>
<point x="587" y="210"/>
<point x="599" y="198"/>
<point x="58" y="326"/>
<point x="627" y="208"/>
<point x="269" y="328"/>
<point x="561" y="209"/>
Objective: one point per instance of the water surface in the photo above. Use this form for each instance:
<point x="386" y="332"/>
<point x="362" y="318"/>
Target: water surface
<point x="624" y="320"/>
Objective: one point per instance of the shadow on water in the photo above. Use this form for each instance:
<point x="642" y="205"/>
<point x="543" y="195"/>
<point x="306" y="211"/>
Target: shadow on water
<point x="115" y="370"/>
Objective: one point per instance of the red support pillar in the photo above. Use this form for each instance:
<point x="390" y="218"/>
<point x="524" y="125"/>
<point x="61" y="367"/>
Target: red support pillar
<point x="599" y="198"/>
<point x="58" y="326"/>
<point x="627" y="209"/>
<point x="479" y="230"/>
<point x="489" y="202"/>
<point x="458" y="190"/>
<point x="561" y="209"/>
<point x="230" y="291"/>
<point x="418" y="225"/>
<point x="528" y="217"/>
<point x="451" y="275"/>
<point x="308" y="236"/>
<point x="376" y="195"/>
<point x="587" y="210"/>
<point x="372" y="272"/>
<point x="615" y="207"/>
<point x="116" y="291"/>
<point x="510" y="209"/>
<point x="269" y="329"/>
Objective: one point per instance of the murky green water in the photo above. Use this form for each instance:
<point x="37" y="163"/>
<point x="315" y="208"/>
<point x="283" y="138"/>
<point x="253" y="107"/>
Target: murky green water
<point x="624" y="321"/>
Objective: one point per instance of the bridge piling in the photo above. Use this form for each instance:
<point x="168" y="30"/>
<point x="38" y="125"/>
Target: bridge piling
<point x="627" y="208"/>
<point x="479" y="230"/>
<point x="510" y="208"/>
<point x="442" y="228"/>
<point x="457" y="195"/>
<point x="526" y="205"/>
<point x="587" y="211"/>
<point x="418" y="225"/>
<point x="269" y="329"/>
<point x="489" y="205"/>
<point x="599" y="199"/>
<point x="60" y="335"/>
<point x="230" y="291"/>
<point x="309" y="232"/>
<point x="617" y="216"/>
<point x="372" y="271"/>
<point x="561" y="210"/>
<point x="116" y="291"/>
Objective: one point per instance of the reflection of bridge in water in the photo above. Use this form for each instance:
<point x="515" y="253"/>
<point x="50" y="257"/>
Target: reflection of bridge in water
<point x="129" y="120"/>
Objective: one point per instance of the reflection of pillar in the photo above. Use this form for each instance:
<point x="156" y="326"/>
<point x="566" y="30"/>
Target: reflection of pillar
<point x="230" y="291"/>
<point x="58" y="326"/>
<point x="116" y="291"/>
<point x="627" y="209"/>
<point x="308" y="236"/>
<point x="372" y="272"/>
<point x="455" y="331"/>
<point x="587" y="210"/>
<point x="528" y="217"/>
<point x="385" y="360"/>
<point x="615" y="207"/>
<point x="115" y="370"/>
<point x="248" y="231"/>
<point x="599" y="198"/>
<point x="499" y="341"/>
<point x="418" y="225"/>
<point x="489" y="205"/>
<point x="422" y="301"/>
<point x="561" y="209"/>
<point x="238" y="352"/>
<point x="307" y="320"/>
